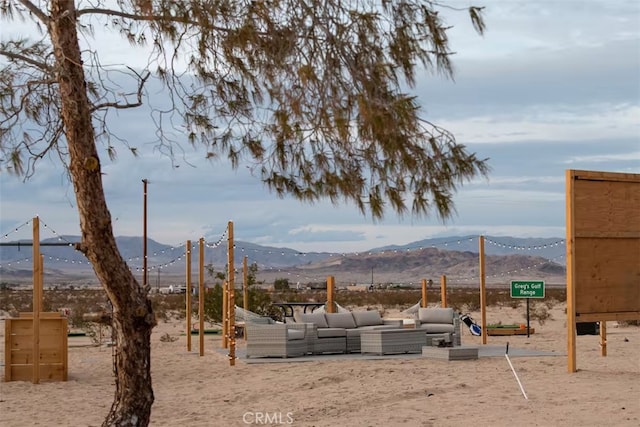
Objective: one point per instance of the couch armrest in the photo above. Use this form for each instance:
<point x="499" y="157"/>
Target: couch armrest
<point x="394" y="322"/>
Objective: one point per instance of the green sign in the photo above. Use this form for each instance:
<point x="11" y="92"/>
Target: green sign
<point x="527" y="289"/>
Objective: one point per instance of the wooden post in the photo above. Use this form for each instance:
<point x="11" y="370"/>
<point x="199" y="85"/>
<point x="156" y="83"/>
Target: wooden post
<point x="571" y="266"/>
<point x="423" y="301"/>
<point x="225" y="310"/>
<point x="331" y="294"/>
<point x="232" y="299"/>
<point x="245" y="292"/>
<point x="144" y="233"/>
<point x="483" y="298"/>
<point x="245" y="284"/>
<point x="37" y="300"/>
<point x="443" y="290"/>
<point x="201" y="296"/>
<point x="603" y="338"/>
<point x="188" y="296"/>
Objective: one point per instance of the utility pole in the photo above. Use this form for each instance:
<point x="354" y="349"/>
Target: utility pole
<point x="144" y="235"/>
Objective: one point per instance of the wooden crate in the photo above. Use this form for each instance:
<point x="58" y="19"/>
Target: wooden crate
<point x="19" y="348"/>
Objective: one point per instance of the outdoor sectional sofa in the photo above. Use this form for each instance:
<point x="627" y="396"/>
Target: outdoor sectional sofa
<point x="340" y="332"/>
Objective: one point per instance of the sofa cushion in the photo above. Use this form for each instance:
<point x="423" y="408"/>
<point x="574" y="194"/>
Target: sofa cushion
<point x="367" y="318"/>
<point x="295" y="334"/>
<point x="435" y="315"/>
<point x="437" y="328"/>
<point x="331" y="332"/>
<point x="340" y="320"/>
<point x="317" y="319"/>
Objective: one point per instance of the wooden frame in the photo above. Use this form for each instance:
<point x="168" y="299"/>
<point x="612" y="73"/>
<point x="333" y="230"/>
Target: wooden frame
<point x="52" y="348"/>
<point x="603" y="249"/>
<point x="36" y="335"/>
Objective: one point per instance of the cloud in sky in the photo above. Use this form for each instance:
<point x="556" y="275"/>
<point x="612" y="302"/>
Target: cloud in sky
<point x="551" y="86"/>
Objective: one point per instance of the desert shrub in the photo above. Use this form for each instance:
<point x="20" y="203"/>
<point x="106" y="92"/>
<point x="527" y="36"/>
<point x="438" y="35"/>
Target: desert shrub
<point x="167" y="338"/>
<point x="550" y="303"/>
<point x="213" y="304"/>
<point x="281" y="284"/>
<point x="515" y="303"/>
<point x="627" y="323"/>
<point x="540" y="313"/>
<point x="97" y="332"/>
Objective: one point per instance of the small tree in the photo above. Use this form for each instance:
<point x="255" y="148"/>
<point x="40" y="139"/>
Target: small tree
<point x="281" y="284"/>
<point x="213" y="304"/>
<point x="309" y="93"/>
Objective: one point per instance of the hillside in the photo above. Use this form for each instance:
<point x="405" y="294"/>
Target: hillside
<point x="397" y="264"/>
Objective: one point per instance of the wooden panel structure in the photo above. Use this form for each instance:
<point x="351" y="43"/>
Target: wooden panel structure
<point x="603" y="249"/>
<point x="52" y="348"/>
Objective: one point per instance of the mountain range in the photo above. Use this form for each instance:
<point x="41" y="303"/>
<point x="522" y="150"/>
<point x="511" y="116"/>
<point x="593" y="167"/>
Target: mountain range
<point x="506" y="258"/>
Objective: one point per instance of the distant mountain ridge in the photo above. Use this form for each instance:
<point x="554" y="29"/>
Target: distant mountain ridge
<point x="131" y="248"/>
<point x="455" y="255"/>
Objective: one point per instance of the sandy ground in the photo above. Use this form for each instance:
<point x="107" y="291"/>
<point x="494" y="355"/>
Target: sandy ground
<point x="206" y="391"/>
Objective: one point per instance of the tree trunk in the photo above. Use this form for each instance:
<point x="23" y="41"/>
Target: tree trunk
<point x="133" y="318"/>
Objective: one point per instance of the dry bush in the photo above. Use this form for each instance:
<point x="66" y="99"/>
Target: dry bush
<point x="168" y="338"/>
<point x="628" y="323"/>
<point x="551" y="302"/>
<point x="540" y="313"/>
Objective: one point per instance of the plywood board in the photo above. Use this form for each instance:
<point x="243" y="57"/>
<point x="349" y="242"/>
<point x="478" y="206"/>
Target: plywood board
<point x="607" y="275"/>
<point x="604" y="239"/>
<point x="603" y="249"/>
<point x="47" y="372"/>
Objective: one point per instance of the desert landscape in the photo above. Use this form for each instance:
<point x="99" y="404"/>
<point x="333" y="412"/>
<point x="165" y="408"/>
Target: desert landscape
<point x="354" y="390"/>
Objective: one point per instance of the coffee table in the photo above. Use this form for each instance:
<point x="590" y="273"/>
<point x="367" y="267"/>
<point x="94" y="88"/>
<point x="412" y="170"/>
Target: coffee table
<point x="451" y="353"/>
<point x="390" y="341"/>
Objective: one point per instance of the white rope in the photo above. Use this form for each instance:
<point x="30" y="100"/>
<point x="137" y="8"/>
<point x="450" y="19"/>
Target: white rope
<point x="506" y="354"/>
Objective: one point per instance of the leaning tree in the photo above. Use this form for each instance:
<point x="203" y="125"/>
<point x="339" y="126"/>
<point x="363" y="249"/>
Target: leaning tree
<point x="311" y="94"/>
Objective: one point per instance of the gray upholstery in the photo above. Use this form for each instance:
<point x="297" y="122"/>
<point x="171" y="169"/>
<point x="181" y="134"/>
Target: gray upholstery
<point x="278" y="340"/>
<point x="322" y="333"/>
<point x="331" y="332"/>
<point x="437" y="328"/>
<point x="317" y="319"/>
<point x="438" y="321"/>
<point x="367" y="318"/>
<point x="340" y="320"/>
<point x="435" y="315"/>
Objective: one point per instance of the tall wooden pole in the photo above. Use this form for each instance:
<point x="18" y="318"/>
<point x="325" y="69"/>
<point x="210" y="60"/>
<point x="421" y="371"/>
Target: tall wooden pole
<point x="571" y="272"/>
<point x="483" y="297"/>
<point x="331" y="294"/>
<point x="225" y="310"/>
<point x="443" y="290"/>
<point x="603" y="338"/>
<point x="245" y="291"/>
<point x="144" y="234"/>
<point x="201" y="296"/>
<point x="37" y="300"/>
<point x="232" y="298"/>
<point x="245" y="284"/>
<point x="423" y="301"/>
<point x="188" y="296"/>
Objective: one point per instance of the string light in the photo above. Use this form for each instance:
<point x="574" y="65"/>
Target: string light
<point x="289" y="252"/>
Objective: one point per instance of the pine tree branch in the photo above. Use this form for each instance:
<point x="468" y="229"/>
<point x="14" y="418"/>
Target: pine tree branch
<point x="16" y="56"/>
<point x="37" y="12"/>
<point x="119" y="106"/>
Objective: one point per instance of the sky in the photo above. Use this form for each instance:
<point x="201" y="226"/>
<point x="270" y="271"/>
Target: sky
<point x="552" y="85"/>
